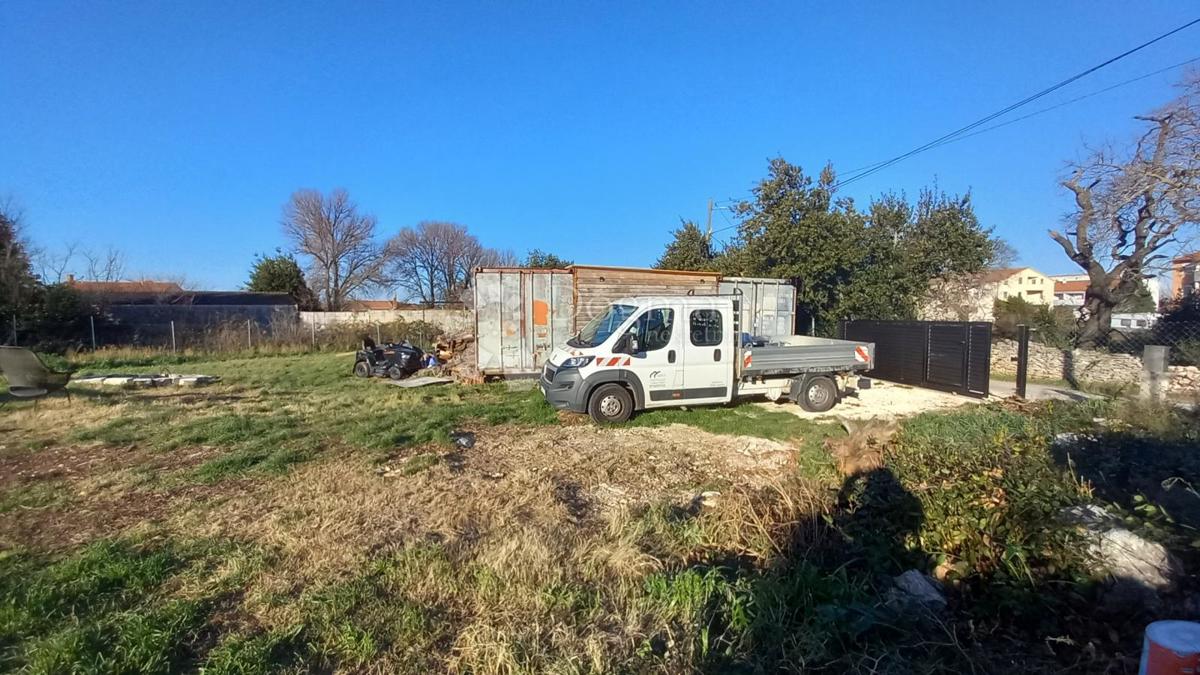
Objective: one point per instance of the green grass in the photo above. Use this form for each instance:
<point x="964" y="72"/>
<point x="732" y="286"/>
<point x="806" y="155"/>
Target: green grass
<point x="768" y="580"/>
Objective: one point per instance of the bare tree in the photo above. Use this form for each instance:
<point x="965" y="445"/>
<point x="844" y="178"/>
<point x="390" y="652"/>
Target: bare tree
<point x="106" y="265"/>
<point x="1132" y="205"/>
<point x="433" y="262"/>
<point x="343" y="256"/>
<point x="54" y="265"/>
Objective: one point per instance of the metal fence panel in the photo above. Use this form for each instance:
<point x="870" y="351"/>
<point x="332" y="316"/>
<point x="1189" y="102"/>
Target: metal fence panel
<point x="948" y="355"/>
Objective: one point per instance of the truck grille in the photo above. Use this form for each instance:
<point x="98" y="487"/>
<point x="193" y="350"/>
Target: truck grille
<point x="548" y="372"/>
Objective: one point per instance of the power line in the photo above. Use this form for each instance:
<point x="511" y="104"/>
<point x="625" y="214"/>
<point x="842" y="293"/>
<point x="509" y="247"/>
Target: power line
<point x="1004" y="111"/>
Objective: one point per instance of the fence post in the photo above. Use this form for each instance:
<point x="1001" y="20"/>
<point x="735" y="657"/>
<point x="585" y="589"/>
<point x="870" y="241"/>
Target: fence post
<point x="378" y="337"/>
<point x="14" y="329"/>
<point x="313" y="325"/>
<point x="172" y="337"/>
<point x="1022" y="358"/>
<point x="1155" y="359"/>
<point x="249" y="345"/>
<point x="92" y="322"/>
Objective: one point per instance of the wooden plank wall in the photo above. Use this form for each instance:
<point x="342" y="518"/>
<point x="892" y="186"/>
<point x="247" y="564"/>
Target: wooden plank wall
<point x="597" y="287"/>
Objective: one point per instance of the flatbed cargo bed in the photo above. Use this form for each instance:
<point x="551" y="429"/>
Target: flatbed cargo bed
<point x="799" y="354"/>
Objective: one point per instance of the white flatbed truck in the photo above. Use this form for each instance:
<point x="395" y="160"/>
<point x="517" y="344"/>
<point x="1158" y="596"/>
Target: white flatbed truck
<point x="658" y="352"/>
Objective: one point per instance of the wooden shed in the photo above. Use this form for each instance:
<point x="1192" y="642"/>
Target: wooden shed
<point x="596" y="286"/>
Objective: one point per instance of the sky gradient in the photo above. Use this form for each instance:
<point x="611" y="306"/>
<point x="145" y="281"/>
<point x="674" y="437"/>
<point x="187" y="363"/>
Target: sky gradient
<point x="176" y="131"/>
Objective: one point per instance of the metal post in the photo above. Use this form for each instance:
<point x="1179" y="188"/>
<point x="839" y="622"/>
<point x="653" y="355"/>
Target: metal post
<point x="1155" y="362"/>
<point x="172" y="337"/>
<point x="378" y="338"/>
<point x="92" y="321"/>
<point x="313" y="325"/>
<point x="249" y="345"/>
<point x="1022" y="358"/>
<point x="14" y="331"/>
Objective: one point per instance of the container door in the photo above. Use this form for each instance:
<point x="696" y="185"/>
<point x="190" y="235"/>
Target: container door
<point x="708" y="354"/>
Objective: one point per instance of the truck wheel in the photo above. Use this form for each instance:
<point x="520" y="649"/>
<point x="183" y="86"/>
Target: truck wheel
<point x="818" y="395"/>
<point x="361" y="369"/>
<point x="610" y="403"/>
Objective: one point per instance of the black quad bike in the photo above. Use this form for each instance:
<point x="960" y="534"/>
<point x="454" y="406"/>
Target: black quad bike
<point x="396" y="360"/>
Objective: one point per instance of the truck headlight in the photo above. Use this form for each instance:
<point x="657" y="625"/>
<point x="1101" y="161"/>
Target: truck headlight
<point x="577" y="362"/>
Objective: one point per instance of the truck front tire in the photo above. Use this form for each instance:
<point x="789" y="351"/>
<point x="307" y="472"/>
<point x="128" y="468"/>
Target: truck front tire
<point x="610" y="404"/>
<point x="818" y="394"/>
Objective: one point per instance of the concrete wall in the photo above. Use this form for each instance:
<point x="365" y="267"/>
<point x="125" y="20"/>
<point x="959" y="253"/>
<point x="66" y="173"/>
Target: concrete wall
<point x="450" y="320"/>
<point x="1083" y="365"/>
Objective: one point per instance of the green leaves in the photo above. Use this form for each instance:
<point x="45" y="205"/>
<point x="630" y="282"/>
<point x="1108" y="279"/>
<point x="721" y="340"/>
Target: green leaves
<point x="846" y="263"/>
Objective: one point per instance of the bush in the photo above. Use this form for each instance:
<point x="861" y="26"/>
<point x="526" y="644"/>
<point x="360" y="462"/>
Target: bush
<point x="1053" y="326"/>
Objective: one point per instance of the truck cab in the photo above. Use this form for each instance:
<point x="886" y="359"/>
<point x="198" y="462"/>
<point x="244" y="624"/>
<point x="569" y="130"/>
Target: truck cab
<point x="646" y="352"/>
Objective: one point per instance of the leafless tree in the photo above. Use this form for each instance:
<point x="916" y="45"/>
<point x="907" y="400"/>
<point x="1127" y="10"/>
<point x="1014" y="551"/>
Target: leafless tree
<point x="53" y="266"/>
<point x="106" y="265"/>
<point x="338" y="241"/>
<point x="433" y="262"/>
<point x="1131" y="207"/>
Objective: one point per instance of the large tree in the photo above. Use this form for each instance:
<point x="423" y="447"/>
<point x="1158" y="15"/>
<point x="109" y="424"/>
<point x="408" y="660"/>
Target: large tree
<point x="690" y="249"/>
<point x="338" y="241"/>
<point x="280" y="273"/>
<point x="1131" y="207"/>
<point x="18" y="285"/>
<point x="433" y="261"/>
<point x="850" y="264"/>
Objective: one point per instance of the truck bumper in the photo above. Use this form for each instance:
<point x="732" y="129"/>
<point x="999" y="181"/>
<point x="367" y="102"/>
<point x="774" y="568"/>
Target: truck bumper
<point x="563" y="389"/>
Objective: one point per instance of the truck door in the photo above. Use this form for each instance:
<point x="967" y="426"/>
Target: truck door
<point x="708" y="355"/>
<point x="658" y="364"/>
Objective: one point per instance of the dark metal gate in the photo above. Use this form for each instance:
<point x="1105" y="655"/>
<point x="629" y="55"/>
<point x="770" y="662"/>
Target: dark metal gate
<point x="949" y="355"/>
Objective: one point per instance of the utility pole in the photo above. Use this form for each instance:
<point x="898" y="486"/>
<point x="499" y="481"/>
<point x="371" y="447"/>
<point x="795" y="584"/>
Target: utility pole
<point x="710" y="207"/>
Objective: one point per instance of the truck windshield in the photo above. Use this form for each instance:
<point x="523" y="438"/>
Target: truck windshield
<point x="602" y="326"/>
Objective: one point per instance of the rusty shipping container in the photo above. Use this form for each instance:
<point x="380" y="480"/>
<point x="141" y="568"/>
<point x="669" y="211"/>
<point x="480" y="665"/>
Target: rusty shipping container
<point x="521" y="314"/>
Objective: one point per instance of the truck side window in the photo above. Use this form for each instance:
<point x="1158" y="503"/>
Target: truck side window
<point x="653" y="329"/>
<point x="706" y="327"/>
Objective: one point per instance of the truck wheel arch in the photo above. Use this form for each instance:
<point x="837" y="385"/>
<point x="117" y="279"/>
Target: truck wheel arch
<point x="622" y="377"/>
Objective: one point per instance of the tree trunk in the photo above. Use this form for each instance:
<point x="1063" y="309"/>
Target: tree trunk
<point x="1095" y="320"/>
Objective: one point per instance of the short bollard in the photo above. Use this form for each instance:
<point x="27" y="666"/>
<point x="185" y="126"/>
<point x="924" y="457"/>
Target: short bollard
<point x="1171" y="648"/>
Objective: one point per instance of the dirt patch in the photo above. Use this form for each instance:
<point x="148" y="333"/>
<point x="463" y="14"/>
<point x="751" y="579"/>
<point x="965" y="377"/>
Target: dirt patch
<point x="884" y="400"/>
<point x="330" y="516"/>
<point x="98" y="491"/>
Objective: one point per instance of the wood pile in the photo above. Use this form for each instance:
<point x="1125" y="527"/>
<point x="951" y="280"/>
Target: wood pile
<point x="457" y="354"/>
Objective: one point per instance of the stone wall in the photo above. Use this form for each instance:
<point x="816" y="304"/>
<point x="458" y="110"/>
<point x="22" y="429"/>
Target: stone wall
<point x="452" y="321"/>
<point x="1183" y="379"/>
<point x="1048" y="363"/>
<point x="1084" y="365"/>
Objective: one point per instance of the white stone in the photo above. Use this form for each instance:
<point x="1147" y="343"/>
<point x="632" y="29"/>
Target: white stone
<point x="921" y="588"/>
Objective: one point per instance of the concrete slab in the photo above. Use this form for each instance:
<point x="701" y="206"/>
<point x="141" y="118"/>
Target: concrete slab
<point x="1039" y="392"/>
<point x="420" y="381"/>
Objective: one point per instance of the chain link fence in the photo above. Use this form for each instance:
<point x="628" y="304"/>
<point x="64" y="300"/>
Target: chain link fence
<point x="99" y="332"/>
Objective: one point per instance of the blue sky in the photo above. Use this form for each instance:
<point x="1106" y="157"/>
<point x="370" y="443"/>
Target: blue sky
<point x="176" y="131"/>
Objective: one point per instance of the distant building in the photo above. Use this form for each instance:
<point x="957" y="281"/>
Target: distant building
<point x="973" y="297"/>
<point x="1185" y="275"/>
<point x="1070" y="289"/>
<point x="1021" y="282"/>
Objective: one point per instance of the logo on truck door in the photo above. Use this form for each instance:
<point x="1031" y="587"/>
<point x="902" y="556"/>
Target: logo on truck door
<point x="656" y="380"/>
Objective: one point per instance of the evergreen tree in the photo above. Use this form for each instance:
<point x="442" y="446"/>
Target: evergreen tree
<point x="18" y="285"/>
<point x="689" y="249"/>
<point x="539" y="259"/>
<point x="281" y="273"/>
